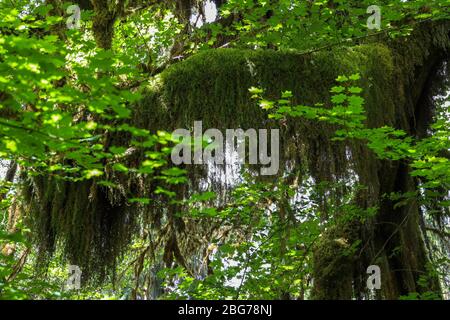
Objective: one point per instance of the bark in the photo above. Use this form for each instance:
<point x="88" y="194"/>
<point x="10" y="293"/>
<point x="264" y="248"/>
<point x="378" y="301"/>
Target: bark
<point x="393" y="240"/>
<point x="11" y="172"/>
<point x="105" y="15"/>
<point x="398" y="240"/>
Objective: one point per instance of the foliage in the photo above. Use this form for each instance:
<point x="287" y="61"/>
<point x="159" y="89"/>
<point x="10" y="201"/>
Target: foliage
<point x="85" y="113"/>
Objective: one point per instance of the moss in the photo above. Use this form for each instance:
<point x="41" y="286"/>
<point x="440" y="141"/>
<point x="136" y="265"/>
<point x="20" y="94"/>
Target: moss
<point x="212" y="86"/>
<point x="90" y="230"/>
<point x="333" y="264"/>
<point x="95" y="224"/>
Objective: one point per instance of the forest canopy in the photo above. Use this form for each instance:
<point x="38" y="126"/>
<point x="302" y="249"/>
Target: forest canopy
<point x="347" y="103"/>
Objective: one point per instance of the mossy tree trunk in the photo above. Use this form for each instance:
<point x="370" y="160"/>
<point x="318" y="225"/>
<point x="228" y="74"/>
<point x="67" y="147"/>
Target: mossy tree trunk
<point x="393" y="240"/>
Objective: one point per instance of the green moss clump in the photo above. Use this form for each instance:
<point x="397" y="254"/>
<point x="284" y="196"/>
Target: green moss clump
<point x="212" y="86"/>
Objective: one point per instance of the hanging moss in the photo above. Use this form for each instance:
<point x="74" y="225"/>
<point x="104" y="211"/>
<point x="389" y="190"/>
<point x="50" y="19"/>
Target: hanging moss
<point x="212" y="86"/>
